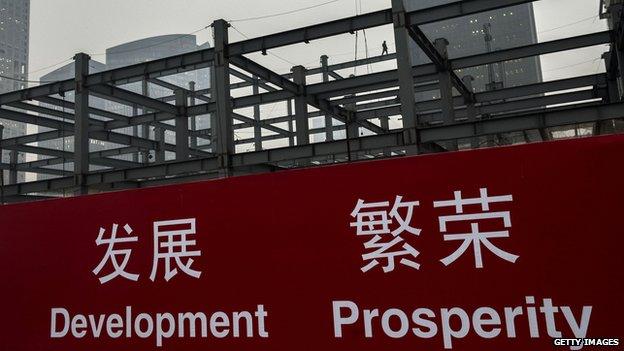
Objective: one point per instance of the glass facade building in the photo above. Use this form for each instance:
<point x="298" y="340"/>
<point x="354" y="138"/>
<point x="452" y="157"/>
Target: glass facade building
<point x="508" y="27"/>
<point x="14" y="38"/>
<point x="128" y="54"/>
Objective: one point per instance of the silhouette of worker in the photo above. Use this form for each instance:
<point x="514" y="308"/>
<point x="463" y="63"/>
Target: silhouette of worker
<point x="384" y="48"/>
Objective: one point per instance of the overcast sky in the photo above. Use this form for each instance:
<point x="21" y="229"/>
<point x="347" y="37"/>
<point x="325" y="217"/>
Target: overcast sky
<point x="60" y="28"/>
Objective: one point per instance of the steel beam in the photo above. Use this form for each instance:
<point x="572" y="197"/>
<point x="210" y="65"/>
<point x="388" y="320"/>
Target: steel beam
<point x="81" y="123"/>
<point x="377" y="80"/>
<point x="1" y="170"/>
<point x="182" y="126"/>
<point x="13" y="160"/>
<point x="202" y="58"/>
<point x="66" y="156"/>
<point x="404" y="73"/>
<point x="301" y="106"/>
<point x="94" y="156"/>
<point x="438" y="54"/>
<point x="21" y="168"/>
<point x="547" y="47"/>
<point x="257" y="117"/>
<point x="470" y="105"/>
<point x="329" y="121"/>
<point x="289" y="111"/>
<point x="448" y="78"/>
<point x="92" y="110"/>
<point x="263" y="73"/>
<point x="159" y="134"/>
<point x="535" y="120"/>
<point x="434" y="117"/>
<point x="129" y="98"/>
<point x="193" y="120"/>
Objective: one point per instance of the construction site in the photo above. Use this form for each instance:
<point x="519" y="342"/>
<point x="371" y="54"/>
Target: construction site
<point x="447" y="192"/>
<point x="367" y="116"/>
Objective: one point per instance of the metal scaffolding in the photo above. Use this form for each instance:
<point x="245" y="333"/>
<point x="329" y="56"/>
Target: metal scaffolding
<point x="460" y="119"/>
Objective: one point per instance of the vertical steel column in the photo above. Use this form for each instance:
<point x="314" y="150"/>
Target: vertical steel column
<point x="135" y="132"/>
<point x="325" y="67"/>
<point x="256" y="115"/>
<point x="145" y="129"/>
<point x="446" y="85"/>
<point x="353" y="129"/>
<point x="223" y="132"/>
<point x="406" y="78"/>
<point x="471" y="111"/>
<point x="1" y="169"/>
<point x="81" y="123"/>
<point x="615" y="11"/>
<point x="159" y="135"/>
<point x="193" y="119"/>
<point x="13" y="156"/>
<point x="301" y="106"/>
<point x="213" y="115"/>
<point x="612" y="78"/>
<point x="289" y="111"/>
<point x="329" y="121"/>
<point x="182" y="126"/>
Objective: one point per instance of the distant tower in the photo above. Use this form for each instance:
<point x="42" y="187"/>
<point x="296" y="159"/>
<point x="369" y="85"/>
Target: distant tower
<point x="155" y="48"/>
<point x="126" y="54"/>
<point x="483" y="32"/>
<point x="14" y="37"/>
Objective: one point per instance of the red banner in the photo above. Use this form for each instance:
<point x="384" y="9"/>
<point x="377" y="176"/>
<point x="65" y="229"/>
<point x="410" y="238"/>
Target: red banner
<point x="506" y="248"/>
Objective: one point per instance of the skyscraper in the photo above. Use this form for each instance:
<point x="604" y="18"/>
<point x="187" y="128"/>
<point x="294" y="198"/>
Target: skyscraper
<point x="63" y="73"/>
<point x="151" y="49"/>
<point x="14" y="37"/>
<point x="508" y="27"/>
<point x="128" y="54"/>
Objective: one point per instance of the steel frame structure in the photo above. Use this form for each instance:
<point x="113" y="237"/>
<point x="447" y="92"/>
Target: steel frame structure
<point x="353" y="104"/>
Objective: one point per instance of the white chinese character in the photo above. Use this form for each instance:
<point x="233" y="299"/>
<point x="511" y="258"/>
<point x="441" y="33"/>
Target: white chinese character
<point x="113" y="254"/>
<point x="475" y="237"/>
<point x="371" y="222"/>
<point x="171" y="242"/>
<point x="374" y="219"/>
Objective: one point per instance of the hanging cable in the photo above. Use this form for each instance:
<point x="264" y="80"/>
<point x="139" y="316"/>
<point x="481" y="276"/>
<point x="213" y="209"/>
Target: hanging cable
<point x="50" y="66"/>
<point x="356" y="41"/>
<point x="569" y="24"/>
<point x="283" y="13"/>
<point x="27" y="81"/>
<point x="573" y="65"/>
<point x="369" y="67"/>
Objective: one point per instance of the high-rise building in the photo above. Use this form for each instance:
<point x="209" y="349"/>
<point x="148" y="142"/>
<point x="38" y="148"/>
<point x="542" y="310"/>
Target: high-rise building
<point x="128" y="54"/>
<point x="14" y="37"/>
<point x="151" y="49"/>
<point x="62" y="73"/>
<point x="508" y="27"/>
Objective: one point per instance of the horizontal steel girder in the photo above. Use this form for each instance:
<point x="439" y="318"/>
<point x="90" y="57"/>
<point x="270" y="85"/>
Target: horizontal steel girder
<point x="503" y="124"/>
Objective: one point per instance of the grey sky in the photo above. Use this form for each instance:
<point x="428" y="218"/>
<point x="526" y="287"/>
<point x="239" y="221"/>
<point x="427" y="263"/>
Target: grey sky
<point x="60" y="28"/>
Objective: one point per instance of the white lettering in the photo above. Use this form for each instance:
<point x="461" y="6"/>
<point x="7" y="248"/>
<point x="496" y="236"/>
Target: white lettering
<point x="340" y="320"/>
<point x="53" y="331"/>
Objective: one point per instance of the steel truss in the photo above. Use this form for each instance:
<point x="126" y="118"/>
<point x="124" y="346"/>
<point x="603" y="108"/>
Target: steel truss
<point x="360" y="105"/>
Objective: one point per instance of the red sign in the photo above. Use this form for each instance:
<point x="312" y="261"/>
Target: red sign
<point x="505" y="248"/>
